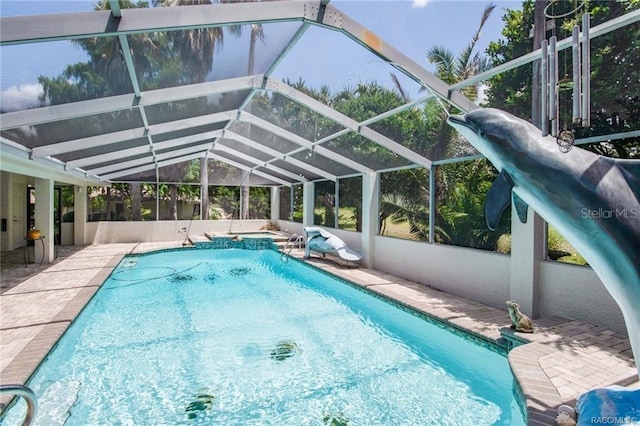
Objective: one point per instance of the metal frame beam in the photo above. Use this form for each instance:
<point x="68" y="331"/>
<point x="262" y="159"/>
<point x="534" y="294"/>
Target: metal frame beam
<point x="604" y="28"/>
<point x="39" y="28"/>
<point x="259" y="163"/>
<point x="334" y="18"/>
<point x="50" y="114"/>
<point x="122" y="136"/>
<point x="350" y="123"/>
<point x="130" y="152"/>
<point x="248" y="169"/>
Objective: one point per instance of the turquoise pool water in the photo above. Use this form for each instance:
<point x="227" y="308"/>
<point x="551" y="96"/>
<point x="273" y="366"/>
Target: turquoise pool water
<point x="239" y="337"/>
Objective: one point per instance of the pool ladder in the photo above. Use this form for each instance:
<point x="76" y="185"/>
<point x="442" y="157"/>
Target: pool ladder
<point x="291" y="243"/>
<point x="28" y="395"/>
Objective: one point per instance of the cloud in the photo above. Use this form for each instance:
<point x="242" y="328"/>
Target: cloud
<point x="17" y="98"/>
<point x="419" y="4"/>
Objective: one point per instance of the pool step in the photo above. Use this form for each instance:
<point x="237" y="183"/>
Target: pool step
<point x="199" y="239"/>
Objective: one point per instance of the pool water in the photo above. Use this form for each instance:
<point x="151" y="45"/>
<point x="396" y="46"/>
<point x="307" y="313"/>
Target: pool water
<point x="239" y="337"/>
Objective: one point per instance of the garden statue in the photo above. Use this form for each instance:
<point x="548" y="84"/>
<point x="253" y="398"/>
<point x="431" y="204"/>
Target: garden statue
<point x="519" y="321"/>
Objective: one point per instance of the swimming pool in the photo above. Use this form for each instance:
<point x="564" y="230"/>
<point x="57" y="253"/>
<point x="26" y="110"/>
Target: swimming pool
<point x="239" y="337"/>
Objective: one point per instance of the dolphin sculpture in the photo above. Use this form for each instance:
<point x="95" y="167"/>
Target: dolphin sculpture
<point x="593" y="201"/>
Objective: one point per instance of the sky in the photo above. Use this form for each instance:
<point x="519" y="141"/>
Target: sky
<point x="320" y="57"/>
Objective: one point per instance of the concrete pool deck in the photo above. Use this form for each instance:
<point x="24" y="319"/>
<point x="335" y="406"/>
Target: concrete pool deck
<point x="563" y="358"/>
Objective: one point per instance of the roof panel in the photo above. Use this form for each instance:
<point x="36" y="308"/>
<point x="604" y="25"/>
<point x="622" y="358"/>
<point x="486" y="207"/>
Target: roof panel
<point x="75" y="128"/>
<point x="265" y="137"/>
<point x="194" y="132"/>
<point x="364" y="151"/>
<point x="244" y="149"/>
<point x="187" y="108"/>
<point x="316" y="160"/>
<point x="220" y="53"/>
<point x="296" y="170"/>
<point x="95" y="151"/>
<point x="357" y="65"/>
<point x="292" y="116"/>
<point x="182" y="172"/>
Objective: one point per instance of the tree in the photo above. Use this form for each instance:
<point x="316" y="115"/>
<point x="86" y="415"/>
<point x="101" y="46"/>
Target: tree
<point x="615" y="91"/>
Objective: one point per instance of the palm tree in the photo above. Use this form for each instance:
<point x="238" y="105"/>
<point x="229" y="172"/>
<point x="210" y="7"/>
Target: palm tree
<point x="457" y="211"/>
<point x="451" y="70"/>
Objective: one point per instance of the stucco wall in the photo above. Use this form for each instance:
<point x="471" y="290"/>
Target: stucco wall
<point x="576" y="292"/>
<point x="163" y="230"/>
<point x="474" y="274"/>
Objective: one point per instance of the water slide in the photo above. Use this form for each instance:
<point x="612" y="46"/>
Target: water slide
<point x="322" y="241"/>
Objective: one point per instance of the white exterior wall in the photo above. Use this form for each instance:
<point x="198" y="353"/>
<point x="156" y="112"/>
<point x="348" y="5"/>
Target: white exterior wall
<point x="576" y="292"/>
<point x="163" y="230"/>
<point x="474" y="274"/>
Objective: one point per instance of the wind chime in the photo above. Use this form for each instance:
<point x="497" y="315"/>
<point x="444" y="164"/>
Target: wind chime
<point x="581" y="65"/>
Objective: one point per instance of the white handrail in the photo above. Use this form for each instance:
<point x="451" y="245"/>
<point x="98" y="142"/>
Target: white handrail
<point x="28" y="395"/>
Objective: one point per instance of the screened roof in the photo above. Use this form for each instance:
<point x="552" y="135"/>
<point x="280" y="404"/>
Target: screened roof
<point x="199" y="81"/>
<point x="227" y="108"/>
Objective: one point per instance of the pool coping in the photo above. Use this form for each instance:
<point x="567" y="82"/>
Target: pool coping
<point x="545" y="366"/>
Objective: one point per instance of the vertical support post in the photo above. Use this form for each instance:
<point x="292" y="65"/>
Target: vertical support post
<point x="527" y="251"/>
<point x="204" y="189"/>
<point x="575" y="67"/>
<point x="370" y="216"/>
<point x="79" y="215"/>
<point x="553" y="86"/>
<point x="432" y="203"/>
<point x="44" y="220"/>
<point x="292" y="200"/>
<point x="336" y="205"/>
<point x="307" y="203"/>
<point x="586" y="71"/>
<point x="539" y="31"/>
<point x="544" y="85"/>
<point x="275" y="203"/>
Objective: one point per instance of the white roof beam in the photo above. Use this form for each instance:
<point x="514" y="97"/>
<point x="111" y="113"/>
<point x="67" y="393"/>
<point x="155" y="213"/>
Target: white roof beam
<point x="248" y="169"/>
<point x="279" y="131"/>
<point x="53" y="113"/>
<point x="116" y="137"/>
<point x="150" y="159"/>
<point x="121" y="173"/>
<point x="351" y="124"/>
<point x="334" y="18"/>
<point x="598" y="30"/>
<point x="280" y="156"/>
<point x="120" y="166"/>
<point x="395" y="147"/>
<point x="130" y="152"/>
<point x="29" y="29"/>
<point x="16" y="160"/>
<point x="258" y="162"/>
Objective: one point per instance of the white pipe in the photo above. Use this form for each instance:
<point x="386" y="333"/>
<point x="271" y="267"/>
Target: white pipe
<point x="586" y="71"/>
<point x="575" y="54"/>
<point x="544" y="82"/>
<point x="553" y="86"/>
